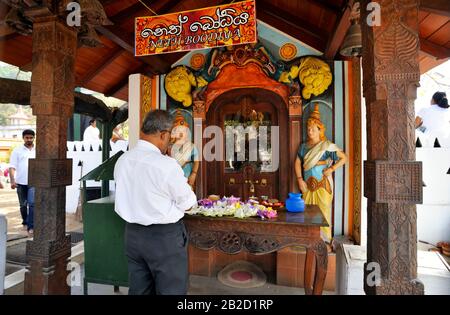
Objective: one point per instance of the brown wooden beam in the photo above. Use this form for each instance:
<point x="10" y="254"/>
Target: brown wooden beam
<point x="292" y="25"/>
<point x="441" y="7"/>
<point x="112" y="55"/>
<point x="144" y="69"/>
<point x="9" y="36"/>
<point x="341" y="27"/>
<point x="136" y="9"/>
<point x="26" y="67"/>
<point x="125" y="40"/>
<point x="332" y="7"/>
<point x="434" y="50"/>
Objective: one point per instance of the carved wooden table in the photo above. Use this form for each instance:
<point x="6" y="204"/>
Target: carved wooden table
<point x="232" y="235"/>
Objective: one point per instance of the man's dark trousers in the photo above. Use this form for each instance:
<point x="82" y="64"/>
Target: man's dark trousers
<point x="157" y="258"/>
<point x="26" y="202"/>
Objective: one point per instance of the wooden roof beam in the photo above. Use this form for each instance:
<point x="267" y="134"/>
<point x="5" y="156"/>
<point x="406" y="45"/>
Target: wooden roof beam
<point x="434" y="50"/>
<point x="340" y="30"/>
<point x="327" y="6"/>
<point x="125" y="40"/>
<point x="159" y="7"/>
<point x="119" y="86"/>
<point x="440" y="7"/>
<point x="112" y="55"/>
<point x="292" y="25"/>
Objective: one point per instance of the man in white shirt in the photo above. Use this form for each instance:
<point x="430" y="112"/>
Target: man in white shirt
<point x="91" y="133"/>
<point x="152" y="195"/>
<point x="18" y="174"/>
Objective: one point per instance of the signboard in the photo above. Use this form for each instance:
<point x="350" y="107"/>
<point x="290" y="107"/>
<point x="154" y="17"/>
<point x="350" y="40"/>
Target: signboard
<point x="224" y="25"/>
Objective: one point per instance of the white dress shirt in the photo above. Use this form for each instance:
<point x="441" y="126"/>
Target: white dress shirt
<point x="150" y="187"/>
<point x="91" y="134"/>
<point x="19" y="161"/>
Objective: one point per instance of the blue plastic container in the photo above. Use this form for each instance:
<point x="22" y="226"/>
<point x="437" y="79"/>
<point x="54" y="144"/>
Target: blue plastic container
<point x="295" y="203"/>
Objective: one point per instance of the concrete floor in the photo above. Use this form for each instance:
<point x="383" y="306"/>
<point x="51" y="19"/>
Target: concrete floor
<point x="436" y="277"/>
<point x="9" y="206"/>
<point x="202" y="286"/>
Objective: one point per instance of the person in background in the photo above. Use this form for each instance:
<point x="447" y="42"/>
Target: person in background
<point x="434" y="120"/>
<point x="92" y="133"/>
<point x="152" y="195"/>
<point x="18" y="173"/>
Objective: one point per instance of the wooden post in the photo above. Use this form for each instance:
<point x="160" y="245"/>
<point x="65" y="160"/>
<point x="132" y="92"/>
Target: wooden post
<point x="295" y="137"/>
<point x="199" y="114"/>
<point x="52" y="100"/>
<point x="357" y="148"/>
<point x="107" y="134"/>
<point x="392" y="178"/>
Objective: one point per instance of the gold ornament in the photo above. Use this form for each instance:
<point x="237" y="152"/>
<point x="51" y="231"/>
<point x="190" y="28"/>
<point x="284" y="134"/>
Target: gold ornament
<point x="314" y="119"/>
<point x="315" y="75"/>
<point x="288" y="51"/>
<point x="197" y="61"/>
<point x="178" y="84"/>
<point x="288" y="76"/>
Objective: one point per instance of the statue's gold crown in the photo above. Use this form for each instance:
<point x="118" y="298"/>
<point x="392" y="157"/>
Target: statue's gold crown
<point x="315" y="114"/>
<point x="180" y="120"/>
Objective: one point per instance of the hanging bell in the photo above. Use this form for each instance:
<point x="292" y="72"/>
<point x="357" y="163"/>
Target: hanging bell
<point x="352" y="46"/>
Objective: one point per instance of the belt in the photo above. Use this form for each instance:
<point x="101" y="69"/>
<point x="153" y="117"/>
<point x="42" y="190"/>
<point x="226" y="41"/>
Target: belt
<point x="313" y="184"/>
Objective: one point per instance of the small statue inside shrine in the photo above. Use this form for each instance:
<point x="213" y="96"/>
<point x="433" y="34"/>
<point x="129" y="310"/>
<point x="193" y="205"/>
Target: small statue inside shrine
<point x="183" y="150"/>
<point x="316" y="160"/>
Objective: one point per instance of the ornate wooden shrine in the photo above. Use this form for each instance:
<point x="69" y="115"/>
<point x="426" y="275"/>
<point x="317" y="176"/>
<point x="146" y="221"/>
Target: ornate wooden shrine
<point x="259" y="237"/>
<point x="390" y="61"/>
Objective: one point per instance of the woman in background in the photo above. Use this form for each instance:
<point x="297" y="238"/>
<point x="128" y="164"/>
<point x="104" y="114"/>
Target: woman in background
<point x="434" y="120"/>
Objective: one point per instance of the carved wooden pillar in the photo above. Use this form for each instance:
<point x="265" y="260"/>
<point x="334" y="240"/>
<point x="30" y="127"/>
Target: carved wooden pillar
<point x="52" y="100"/>
<point x="295" y="136"/>
<point x="393" y="180"/>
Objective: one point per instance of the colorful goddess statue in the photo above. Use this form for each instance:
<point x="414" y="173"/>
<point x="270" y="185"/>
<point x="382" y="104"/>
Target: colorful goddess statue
<point x="183" y="150"/>
<point x="316" y="160"/>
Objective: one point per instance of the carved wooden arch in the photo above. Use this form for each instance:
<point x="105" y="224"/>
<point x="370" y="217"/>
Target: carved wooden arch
<point x="233" y="77"/>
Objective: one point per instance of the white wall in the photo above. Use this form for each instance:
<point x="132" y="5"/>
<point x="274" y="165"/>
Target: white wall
<point x="90" y="159"/>
<point x="433" y="216"/>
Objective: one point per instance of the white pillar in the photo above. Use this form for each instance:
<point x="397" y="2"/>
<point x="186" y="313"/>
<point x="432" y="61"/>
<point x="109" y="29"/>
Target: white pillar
<point x="134" y="105"/>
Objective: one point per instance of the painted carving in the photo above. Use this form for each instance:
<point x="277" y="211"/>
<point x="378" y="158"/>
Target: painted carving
<point x="199" y="109"/>
<point x="146" y="96"/>
<point x="288" y="51"/>
<point x="197" y="61"/>
<point x="295" y="105"/>
<point x="179" y="83"/>
<point x="315" y="75"/>
<point x="185" y="85"/>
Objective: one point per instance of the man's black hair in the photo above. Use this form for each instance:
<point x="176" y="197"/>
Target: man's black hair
<point x="28" y="132"/>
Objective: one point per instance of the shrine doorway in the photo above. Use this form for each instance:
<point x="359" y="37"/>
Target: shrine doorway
<point x="263" y="172"/>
